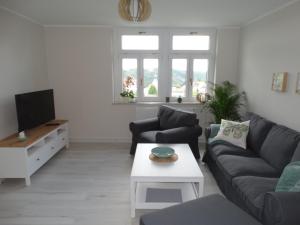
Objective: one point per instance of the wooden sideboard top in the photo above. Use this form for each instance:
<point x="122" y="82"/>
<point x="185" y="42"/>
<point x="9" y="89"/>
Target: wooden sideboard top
<point x="32" y="135"/>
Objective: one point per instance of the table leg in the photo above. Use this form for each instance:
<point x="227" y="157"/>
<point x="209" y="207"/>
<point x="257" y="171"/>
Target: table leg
<point x="132" y="197"/>
<point x="27" y="181"/>
<point x="201" y="188"/>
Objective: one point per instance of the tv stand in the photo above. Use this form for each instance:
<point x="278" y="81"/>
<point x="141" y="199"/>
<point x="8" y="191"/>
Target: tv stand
<point x="21" y="159"/>
<point x="52" y="124"/>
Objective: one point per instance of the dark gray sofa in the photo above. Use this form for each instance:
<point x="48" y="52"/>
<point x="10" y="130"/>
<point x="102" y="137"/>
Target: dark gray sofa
<point x="170" y="126"/>
<point x="249" y="177"/>
<point x="209" y="210"/>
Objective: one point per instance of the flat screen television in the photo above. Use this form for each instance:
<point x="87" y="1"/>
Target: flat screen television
<point x="34" y="108"/>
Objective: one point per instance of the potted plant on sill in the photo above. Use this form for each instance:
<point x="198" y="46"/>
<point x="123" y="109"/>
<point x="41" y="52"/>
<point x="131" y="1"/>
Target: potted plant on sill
<point x="226" y="102"/>
<point x="127" y="94"/>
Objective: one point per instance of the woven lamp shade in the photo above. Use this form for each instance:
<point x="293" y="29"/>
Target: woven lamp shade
<point x="134" y="10"/>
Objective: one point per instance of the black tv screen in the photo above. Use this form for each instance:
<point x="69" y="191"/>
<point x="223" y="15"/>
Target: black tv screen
<point x="34" y="108"/>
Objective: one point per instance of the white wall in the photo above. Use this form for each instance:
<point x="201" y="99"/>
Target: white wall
<point x="227" y="57"/>
<point x="80" y="71"/>
<point x="272" y="45"/>
<point x="22" y="65"/>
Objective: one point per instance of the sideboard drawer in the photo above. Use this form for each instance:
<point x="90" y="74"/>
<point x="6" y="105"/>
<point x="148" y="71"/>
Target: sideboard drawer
<point x="38" y="158"/>
<point x="62" y="140"/>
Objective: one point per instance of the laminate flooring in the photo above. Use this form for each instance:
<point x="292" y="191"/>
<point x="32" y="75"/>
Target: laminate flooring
<point x="88" y="184"/>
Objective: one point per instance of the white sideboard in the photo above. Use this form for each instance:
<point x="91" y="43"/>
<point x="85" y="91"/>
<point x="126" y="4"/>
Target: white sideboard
<point x="21" y="159"/>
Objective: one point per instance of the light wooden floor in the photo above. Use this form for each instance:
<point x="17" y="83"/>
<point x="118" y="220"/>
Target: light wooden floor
<point x="85" y="185"/>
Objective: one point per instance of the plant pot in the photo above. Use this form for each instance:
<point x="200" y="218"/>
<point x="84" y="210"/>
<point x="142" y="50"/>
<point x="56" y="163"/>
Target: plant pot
<point x="128" y="100"/>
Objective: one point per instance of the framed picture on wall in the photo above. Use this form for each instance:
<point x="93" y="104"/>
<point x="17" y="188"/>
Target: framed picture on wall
<point x="298" y="84"/>
<point x="279" y="82"/>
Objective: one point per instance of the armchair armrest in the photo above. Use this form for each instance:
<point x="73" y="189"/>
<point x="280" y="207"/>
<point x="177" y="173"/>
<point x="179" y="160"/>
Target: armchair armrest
<point x="281" y="208"/>
<point x="140" y="126"/>
<point x="179" y="135"/>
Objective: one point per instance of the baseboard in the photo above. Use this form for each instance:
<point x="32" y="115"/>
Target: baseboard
<point x="100" y="140"/>
<point x="112" y="140"/>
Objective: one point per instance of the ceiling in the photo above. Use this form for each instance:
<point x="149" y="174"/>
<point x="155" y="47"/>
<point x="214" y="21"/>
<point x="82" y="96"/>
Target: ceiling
<point x="193" y="13"/>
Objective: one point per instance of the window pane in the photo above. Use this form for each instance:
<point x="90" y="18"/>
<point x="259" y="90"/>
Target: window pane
<point x="200" y="75"/>
<point x="179" y="77"/>
<point x="190" y="42"/>
<point x="140" y="42"/>
<point x="150" y="77"/>
<point x="129" y="75"/>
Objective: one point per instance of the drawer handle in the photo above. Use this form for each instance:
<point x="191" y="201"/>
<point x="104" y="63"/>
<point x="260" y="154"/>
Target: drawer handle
<point x="52" y="147"/>
<point x="38" y="159"/>
<point x="63" y="139"/>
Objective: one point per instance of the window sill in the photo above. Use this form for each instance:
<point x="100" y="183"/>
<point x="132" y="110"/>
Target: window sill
<point x="157" y="103"/>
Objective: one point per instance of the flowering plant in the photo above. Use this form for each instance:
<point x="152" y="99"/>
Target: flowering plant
<point x="127" y="84"/>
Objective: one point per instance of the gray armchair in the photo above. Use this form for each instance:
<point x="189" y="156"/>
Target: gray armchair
<point x="170" y="126"/>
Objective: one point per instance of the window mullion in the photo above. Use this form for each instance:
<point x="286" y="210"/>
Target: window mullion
<point x="140" y="79"/>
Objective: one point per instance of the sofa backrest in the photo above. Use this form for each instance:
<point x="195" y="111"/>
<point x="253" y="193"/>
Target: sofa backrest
<point x="259" y="129"/>
<point x="279" y="146"/>
<point x="296" y="155"/>
<point x="170" y="117"/>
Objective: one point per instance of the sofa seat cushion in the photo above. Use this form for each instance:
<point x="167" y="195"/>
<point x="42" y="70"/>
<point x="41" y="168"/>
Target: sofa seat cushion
<point x="148" y="137"/>
<point x="235" y="166"/>
<point x="209" y="210"/>
<point x="251" y="190"/>
<point x="216" y="150"/>
<point x="279" y="146"/>
<point x="259" y="129"/>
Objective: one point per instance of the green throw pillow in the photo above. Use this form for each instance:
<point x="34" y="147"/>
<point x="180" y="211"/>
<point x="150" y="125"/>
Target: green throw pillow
<point x="214" y="129"/>
<point x="290" y="178"/>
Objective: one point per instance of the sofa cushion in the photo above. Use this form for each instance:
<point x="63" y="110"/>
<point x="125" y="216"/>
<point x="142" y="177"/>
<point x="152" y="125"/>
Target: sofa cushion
<point x="234" y="166"/>
<point x="259" y="129"/>
<point x="279" y="146"/>
<point x="214" y="130"/>
<point x="251" y="190"/>
<point x="289" y="180"/>
<point x="209" y="210"/>
<point x="216" y="150"/>
<point x="296" y="155"/>
<point x="172" y="118"/>
<point x="233" y="132"/>
<point x="148" y="137"/>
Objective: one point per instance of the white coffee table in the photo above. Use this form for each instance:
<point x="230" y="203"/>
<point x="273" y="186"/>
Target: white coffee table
<point x="183" y="176"/>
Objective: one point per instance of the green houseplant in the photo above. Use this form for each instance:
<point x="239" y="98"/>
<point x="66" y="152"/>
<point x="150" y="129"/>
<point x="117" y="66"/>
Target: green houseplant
<point x="225" y="102"/>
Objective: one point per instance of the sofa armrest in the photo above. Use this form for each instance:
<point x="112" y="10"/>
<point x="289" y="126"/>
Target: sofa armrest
<point x="140" y="126"/>
<point x="207" y="133"/>
<point x="179" y="135"/>
<point x="281" y="208"/>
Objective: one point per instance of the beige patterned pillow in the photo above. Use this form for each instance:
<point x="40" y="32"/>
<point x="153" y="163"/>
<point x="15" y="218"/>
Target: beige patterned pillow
<point x="233" y="132"/>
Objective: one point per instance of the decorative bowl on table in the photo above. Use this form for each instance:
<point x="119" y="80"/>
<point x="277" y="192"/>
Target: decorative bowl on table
<point x="163" y="152"/>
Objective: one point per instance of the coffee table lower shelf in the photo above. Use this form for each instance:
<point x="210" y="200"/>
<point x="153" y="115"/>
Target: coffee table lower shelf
<point x="147" y="195"/>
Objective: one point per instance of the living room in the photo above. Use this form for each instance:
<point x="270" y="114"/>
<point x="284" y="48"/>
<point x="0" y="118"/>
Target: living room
<point x="74" y="48"/>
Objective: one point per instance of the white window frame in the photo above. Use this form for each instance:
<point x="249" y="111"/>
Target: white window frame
<point x="141" y="86"/>
<point x="190" y="31"/>
<point x="179" y="56"/>
<point x="164" y="55"/>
